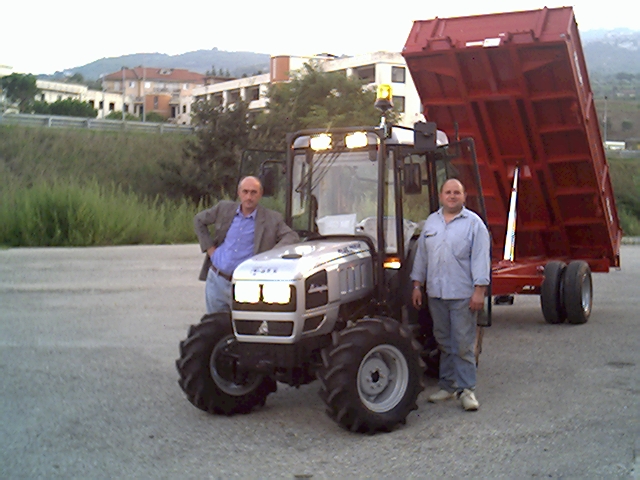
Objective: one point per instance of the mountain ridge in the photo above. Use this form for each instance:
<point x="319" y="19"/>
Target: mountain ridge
<point x="606" y="51"/>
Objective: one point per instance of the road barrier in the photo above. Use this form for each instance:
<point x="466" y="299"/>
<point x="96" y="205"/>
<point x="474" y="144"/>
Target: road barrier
<point x="34" y="120"/>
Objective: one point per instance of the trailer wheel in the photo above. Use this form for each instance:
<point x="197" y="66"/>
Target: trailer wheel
<point x="208" y="373"/>
<point x="371" y="375"/>
<point x="551" y="296"/>
<point x="578" y="292"/>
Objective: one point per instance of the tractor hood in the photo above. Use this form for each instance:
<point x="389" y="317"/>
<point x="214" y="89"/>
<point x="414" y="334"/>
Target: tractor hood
<point x="293" y="262"/>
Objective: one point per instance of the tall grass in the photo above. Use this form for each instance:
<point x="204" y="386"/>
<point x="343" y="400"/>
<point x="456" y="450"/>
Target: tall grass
<point x="129" y="159"/>
<point x="70" y="214"/>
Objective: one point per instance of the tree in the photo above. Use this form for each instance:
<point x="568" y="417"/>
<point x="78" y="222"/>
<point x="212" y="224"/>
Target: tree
<point x="118" y="116"/>
<point x="72" y="108"/>
<point x="209" y="168"/>
<point x="155" y="117"/>
<point x="20" y="89"/>
<point x="315" y="99"/>
<point x="75" y="78"/>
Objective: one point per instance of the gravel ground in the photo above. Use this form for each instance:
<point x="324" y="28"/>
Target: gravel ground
<point x="89" y="337"/>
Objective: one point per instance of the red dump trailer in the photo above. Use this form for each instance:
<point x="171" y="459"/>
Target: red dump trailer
<point x="517" y="84"/>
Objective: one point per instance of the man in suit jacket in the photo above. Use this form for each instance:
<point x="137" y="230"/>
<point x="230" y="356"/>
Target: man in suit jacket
<point x="242" y="230"/>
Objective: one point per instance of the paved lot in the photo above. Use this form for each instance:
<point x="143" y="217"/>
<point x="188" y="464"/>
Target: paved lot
<point x="88" y="340"/>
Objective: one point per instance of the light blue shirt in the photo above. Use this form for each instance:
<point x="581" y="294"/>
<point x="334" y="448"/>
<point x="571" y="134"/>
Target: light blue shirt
<point x="237" y="245"/>
<point x="453" y="257"/>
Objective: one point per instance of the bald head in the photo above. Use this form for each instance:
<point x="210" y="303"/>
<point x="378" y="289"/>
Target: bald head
<point x="250" y="193"/>
<point x="452" y="196"/>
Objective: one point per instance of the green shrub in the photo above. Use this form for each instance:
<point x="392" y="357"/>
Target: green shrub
<point x="70" y="214"/>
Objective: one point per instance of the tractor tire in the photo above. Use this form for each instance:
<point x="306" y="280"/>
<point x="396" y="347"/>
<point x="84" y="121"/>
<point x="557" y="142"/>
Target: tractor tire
<point x="578" y="292"/>
<point x="371" y="375"/>
<point x="208" y="375"/>
<point x="551" y="296"/>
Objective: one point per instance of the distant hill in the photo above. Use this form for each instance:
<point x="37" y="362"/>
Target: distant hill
<point x="613" y="51"/>
<point x="236" y="63"/>
<point x="607" y="52"/>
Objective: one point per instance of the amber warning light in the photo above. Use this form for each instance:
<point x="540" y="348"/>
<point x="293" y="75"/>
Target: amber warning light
<point x="384" y="100"/>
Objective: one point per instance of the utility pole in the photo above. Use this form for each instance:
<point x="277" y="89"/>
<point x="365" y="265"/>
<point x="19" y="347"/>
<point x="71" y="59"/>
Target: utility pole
<point x="123" y="93"/>
<point x="104" y="89"/>
<point x="605" y="121"/>
<point x="144" y="93"/>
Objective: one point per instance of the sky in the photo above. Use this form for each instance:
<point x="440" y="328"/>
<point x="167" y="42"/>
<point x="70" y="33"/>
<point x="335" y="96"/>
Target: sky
<point x="42" y="37"/>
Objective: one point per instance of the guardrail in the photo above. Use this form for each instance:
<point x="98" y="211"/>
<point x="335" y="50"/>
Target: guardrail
<point x="34" y="120"/>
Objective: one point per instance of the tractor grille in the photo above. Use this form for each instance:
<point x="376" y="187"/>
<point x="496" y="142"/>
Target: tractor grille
<point x="259" y="327"/>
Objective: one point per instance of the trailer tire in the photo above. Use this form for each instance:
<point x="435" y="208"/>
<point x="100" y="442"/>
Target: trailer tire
<point x="205" y="380"/>
<point x="371" y="375"/>
<point x="551" y="292"/>
<point x="578" y="292"/>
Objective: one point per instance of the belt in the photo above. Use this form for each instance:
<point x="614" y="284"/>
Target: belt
<point x="222" y="274"/>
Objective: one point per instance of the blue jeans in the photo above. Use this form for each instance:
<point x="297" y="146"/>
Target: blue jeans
<point x="454" y="327"/>
<point x="217" y="293"/>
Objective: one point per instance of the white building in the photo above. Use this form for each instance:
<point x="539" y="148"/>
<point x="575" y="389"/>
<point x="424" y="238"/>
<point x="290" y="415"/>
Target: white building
<point x="374" y="68"/>
<point x="104" y="102"/>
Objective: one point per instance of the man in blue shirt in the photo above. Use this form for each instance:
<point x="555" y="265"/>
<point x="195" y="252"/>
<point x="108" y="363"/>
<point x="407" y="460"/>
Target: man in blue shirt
<point x="242" y="230"/>
<point x="453" y="258"/>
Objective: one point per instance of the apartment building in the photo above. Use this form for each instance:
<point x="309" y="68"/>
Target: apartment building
<point x="374" y="68"/>
<point x="166" y="91"/>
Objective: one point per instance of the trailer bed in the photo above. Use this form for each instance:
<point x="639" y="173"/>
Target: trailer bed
<point x="517" y="83"/>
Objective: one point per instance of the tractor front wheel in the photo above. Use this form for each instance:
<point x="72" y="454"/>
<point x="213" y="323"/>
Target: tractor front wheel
<point x="208" y="370"/>
<point x="371" y="375"/>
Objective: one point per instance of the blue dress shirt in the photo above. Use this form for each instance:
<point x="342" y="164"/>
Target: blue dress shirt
<point x="237" y="245"/>
<point x="453" y="257"/>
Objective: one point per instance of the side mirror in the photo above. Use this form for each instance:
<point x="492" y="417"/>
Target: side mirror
<point x="425" y="136"/>
<point x="412" y="179"/>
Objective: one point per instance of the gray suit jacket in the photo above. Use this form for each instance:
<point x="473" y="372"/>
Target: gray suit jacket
<point x="270" y="229"/>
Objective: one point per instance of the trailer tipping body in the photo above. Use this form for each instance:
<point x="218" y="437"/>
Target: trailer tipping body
<point x="517" y="83"/>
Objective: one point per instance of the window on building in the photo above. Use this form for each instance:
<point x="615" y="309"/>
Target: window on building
<point x="126" y="108"/>
<point x="112" y="106"/>
<point x="101" y="104"/>
<point x="217" y="99"/>
<point x="185" y="86"/>
<point x="398" y="104"/>
<point x="173" y="112"/>
<point x="184" y="109"/>
<point x="398" y="74"/>
<point x="155" y="103"/>
<point x="233" y="96"/>
<point x="366" y="73"/>
<point x="92" y="104"/>
<point x="132" y="84"/>
<point x="252" y="93"/>
<point x="147" y="84"/>
<point x="59" y="97"/>
<point x="42" y="97"/>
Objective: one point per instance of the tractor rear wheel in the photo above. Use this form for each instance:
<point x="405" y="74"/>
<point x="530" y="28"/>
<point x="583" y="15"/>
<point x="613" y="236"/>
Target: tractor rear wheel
<point x="208" y="370"/>
<point x="371" y="375"/>
<point x="551" y="296"/>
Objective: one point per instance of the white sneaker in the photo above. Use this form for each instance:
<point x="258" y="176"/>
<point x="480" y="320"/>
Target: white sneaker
<point x="441" y="396"/>
<point x="469" y="401"/>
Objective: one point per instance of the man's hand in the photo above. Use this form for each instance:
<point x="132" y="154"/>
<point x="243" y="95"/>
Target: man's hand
<point x="477" y="299"/>
<point x="416" y="296"/>
<point x="210" y="251"/>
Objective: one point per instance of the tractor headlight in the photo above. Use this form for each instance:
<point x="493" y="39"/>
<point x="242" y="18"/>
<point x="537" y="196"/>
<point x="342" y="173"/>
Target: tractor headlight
<point x="246" y="292"/>
<point x="276" y="292"/>
<point x="356" y="140"/>
<point x="320" y="142"/>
